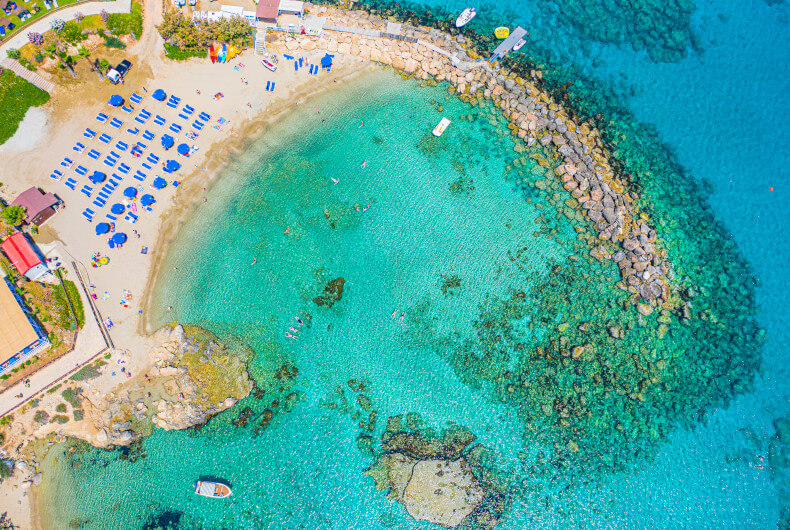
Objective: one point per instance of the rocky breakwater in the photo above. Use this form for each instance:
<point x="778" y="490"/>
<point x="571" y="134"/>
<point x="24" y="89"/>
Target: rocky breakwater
<point x="437" y="478"/>
<point x="573" y="149"/>
<point x="191" y="378"/>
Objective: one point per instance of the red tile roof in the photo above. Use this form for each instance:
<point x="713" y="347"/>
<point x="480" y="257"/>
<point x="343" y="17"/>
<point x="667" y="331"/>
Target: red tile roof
<point x="267" y="9"/>
<point x="19" y="251"/>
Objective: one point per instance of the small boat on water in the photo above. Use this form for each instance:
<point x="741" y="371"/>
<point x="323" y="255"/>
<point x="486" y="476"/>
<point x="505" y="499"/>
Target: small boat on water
<point x="215" y="490"/>
<point x="465" y="17"/>
<point x="519" y="44"/>
<point x="501" y="32"/>
<point x="439" y="129"/>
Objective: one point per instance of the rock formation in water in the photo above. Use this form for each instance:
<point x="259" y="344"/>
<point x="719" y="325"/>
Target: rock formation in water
<point x="192" y="378"/>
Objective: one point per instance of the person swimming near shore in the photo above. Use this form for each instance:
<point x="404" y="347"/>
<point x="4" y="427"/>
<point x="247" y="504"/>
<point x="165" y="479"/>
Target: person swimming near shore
<point x="298" y="320"/>
<point x="361" y="124"/>
<point x="293" y="329"/>
<point x="400" y="318"/>
<point x="289" y="335"/>
<point x="254" y="261"/>
<point x="394" y="313"/>
<point x="336" y="181"/>
<point x="365" y="163"/>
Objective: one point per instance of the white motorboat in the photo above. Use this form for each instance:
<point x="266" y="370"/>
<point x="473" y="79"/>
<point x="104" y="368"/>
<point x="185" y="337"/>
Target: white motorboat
<point x="268" y="64"/>
<point x="441" y="127"/>
<point x="215" y="490"/>
<point x="466" y="15"/>
<point x="519" y="44"/>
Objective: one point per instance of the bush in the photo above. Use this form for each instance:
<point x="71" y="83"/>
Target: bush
<point x="78" y="17"/>
<point x="104" y="15"/>
<point x="72" y="395"/>
<point x="71" y="33"/>
<point x="61" y="407"/>
<point x="114" y="42"/>
<point x="38" y="57"/>
<point x="78" y="415"/>
<point x="57" y="24"/>
<point x="89" y="372"/>
<point x="40" y="416"/>
<point x="13" y="53"/>
<point x="60" y="419"/>
<point x="126" y="23"/>
<point x="35" y="38"/>
<point x="6" y="420"/>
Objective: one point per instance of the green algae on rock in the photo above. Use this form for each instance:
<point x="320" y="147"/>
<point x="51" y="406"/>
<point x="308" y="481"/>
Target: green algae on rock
<point x="333" y="292"/>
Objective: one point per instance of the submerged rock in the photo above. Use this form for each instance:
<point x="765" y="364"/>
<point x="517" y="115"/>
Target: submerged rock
<point x="333" y="292"/>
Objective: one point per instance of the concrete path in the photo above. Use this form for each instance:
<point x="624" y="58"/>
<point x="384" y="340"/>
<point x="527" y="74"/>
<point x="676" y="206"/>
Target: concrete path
<point x="84" y="352"/>
<point x="24" y="73"/>
<point x="41" y="25"/>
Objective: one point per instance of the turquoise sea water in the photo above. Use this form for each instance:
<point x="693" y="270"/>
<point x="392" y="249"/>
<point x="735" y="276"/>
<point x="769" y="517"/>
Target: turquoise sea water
<point x="719" y="109"/>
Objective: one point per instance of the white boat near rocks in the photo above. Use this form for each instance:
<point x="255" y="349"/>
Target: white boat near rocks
<point x="465" y="17"/>
<point x="441" y="127"/>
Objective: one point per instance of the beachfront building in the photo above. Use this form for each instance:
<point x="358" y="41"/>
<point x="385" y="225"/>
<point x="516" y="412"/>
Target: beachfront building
<point x="39" y="206"/>
<point x="23" y="256"/>
<point x="269" y="10"/>
<point x="20" y="335"/>
<point x="224" y="12"/>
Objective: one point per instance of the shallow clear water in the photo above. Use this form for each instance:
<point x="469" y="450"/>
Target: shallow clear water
<point x="719" y="109"/>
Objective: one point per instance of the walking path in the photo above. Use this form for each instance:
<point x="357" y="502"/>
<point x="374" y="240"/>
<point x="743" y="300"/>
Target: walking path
<point x="42" y="24"/>
<point x="24" y="73"/>
<point x="84" y="352"/>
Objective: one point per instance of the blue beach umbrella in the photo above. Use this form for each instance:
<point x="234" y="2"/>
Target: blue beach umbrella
<point x="159" y="94"/>
<point x="159" y="183"/>
<point x="97" y="177"/>
<point x="117" y="208"/>
<point x="147" y="199"/>
<point x="130" y="192"/>
<point x="326" y="60"/>
<point x="167" y="141"/>
<point x="102" y="228"/>
<point x="119" y="238"/>
<point x="170" y="166"/>
<point x="115" y="100"/>
<point x="183" y="149"/>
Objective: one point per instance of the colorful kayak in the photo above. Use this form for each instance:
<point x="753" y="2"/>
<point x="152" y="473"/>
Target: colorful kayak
<point x="233" y="52"/>
<point x="213" y="53"/>
<point x="501" y="32"/>
<point x="223" y="53"/>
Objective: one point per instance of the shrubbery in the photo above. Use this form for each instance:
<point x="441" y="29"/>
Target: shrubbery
<point x="186" y="35"/>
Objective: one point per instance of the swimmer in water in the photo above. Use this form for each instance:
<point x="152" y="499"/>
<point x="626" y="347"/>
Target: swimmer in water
<point x="289" y="335"/>
<point x="365" y="163"/>
<point x="394" y="313"/>
<point x="361" y="123"/>
<point x="287" y="228"/>
<point x="336" y="181"/>
<point x="254" y="261"/>
<point x="400" y="319"/>
<point x="299" y="321"/>
<point x="293" y="329"/>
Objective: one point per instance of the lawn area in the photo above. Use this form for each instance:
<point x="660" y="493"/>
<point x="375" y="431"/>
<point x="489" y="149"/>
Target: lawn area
<point x="16" y="96"/>
<point x="177" y="54"/>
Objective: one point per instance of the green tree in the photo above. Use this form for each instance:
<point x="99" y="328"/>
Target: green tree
<point x="14" y="215"/>
<point x="104" y="64"/>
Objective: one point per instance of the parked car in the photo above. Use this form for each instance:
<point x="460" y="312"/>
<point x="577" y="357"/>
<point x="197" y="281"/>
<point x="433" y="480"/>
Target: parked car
<point x="117" y="74"/>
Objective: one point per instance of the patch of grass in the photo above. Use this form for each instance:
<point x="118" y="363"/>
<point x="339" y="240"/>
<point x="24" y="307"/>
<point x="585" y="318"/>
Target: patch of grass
<point x="40" y="416"/>
<point x="16" y="96"/>
<point x="54" y="388"/>
<point x="177" y="54"/>
<point x="61" y="407"/>
<point x="114" y="42"/>
<point x="72" y="396"/>
<point x="78" y="414"/>
<point x="33" y="403"/>
<point x="20" y="26"/>
<point x="125" y="23"/>
<point x="72" y="32"/>
<point x="64" y="312"/>
<point x="60" y="419"/>
<point x="89" y="372"/>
